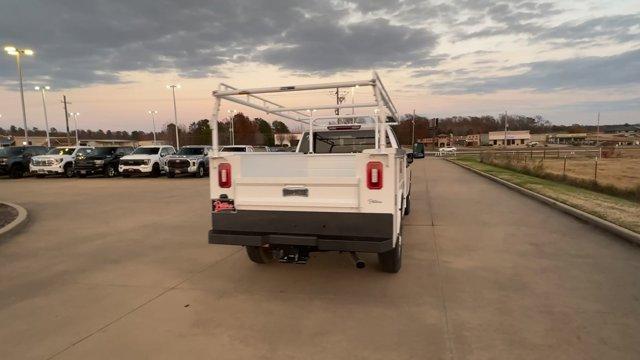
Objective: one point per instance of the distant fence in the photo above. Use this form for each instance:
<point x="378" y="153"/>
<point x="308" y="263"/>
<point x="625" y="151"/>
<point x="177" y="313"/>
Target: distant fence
<point x="614" y="171"/>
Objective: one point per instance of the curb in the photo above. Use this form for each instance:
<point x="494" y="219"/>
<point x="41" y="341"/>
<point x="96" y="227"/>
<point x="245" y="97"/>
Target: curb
<point x="20" y="221"/>
<point x="619" y="231"/>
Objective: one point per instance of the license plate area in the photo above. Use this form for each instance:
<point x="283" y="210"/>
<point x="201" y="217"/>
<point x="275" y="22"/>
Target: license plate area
<point x="295" y="191"/>
<point x="223" y="205"/>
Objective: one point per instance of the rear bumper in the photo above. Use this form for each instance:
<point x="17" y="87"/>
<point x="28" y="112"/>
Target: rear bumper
<point x="363" y="232"/>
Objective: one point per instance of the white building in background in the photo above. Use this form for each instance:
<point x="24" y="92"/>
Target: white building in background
<point x="514" y="138"/>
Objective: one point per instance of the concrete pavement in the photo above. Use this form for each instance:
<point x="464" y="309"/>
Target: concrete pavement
<point x="121" y="268"/>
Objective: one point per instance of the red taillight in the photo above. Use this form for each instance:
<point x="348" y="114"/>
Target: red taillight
<point x="224" y="175"/>
<point x="374" y="175"/>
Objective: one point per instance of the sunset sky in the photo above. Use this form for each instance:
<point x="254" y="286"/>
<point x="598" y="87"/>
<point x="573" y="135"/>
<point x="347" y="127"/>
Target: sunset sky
<point x="564" y="60"/>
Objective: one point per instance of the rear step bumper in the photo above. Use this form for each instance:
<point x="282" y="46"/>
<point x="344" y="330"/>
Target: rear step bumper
<point x="362" y="232"/>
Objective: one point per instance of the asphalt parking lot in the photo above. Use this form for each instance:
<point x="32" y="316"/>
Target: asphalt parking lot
<point x="121" y="268"/>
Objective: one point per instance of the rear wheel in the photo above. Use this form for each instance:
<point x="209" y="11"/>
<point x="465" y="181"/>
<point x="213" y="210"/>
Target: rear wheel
<point x="39" y="176"/>
<point x="126" y="175"/>
<point x="259" y="254"/>
<point x="68" y="170"/>
<point x="391" y="261"/>
<point x="16" y="172"/>
<point x="171" y="174"/>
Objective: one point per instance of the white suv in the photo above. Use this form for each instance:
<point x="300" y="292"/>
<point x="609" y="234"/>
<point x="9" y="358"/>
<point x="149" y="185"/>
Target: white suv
<point x="146" y="160"/>
<point x="58" y="161"/>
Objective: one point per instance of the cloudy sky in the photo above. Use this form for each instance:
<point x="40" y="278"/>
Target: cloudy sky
<point x="564" y="60"/>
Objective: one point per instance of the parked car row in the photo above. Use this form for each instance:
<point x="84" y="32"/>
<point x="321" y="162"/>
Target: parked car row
<point x="108" y="161"/>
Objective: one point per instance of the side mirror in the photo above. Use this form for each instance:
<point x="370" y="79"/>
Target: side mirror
<point x="409" y="158"/>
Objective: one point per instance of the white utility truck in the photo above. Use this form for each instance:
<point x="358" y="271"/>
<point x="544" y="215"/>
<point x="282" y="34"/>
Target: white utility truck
<point x="346" y="188"/>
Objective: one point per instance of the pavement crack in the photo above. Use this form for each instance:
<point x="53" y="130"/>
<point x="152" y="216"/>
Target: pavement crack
<point x="148" y="301"/>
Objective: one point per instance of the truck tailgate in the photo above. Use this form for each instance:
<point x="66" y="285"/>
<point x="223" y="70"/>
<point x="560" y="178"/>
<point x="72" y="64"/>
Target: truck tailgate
<point x="292" y="181"/>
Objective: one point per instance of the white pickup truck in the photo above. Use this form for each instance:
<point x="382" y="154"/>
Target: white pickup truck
<point x="345" y="189"/>
<point x="58" y="161"/>
<point x="146" y="160"/>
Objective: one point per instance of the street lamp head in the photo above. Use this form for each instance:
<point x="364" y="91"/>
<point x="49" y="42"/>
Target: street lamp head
<point x="37" y="87"/>
<point x="47" y="87"/>
<point x="12" y="50"/>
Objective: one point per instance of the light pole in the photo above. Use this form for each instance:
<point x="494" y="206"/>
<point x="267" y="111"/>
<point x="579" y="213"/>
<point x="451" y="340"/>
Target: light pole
<point x="44" y="107"/>
<point x="153" y="114"/>
<point x="506" y="126"/>
<point x="75" y="119"/>
<point x="413" y="128"/>
<point x="17" y="53"/>
<point x="353" y="99"/>
<point x="173" y="88"/>
<point x="233" y="132"/>
<point x="598" y="135"/>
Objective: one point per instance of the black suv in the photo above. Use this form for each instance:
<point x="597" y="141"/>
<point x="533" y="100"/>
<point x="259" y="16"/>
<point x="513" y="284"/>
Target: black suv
<point x="14" y="160"/>
<point x="101" y="160"/>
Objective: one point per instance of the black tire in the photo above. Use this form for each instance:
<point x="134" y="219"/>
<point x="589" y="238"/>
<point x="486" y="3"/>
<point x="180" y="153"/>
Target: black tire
<point x="171" y="174"/>
<point x="16" y="172"/>
<point x="259" y="254"/>
<point x="110" y="171"/>
<point x="81" y="175"/>
<point x="407" y="206"/>
<point x="40" y="176"/>
<point x="68" y="171"/>
<point x="199" y="171"/>
<point x="126" y="175"/>
<point x="155" y="170"/>
<point x="391" y="261"/>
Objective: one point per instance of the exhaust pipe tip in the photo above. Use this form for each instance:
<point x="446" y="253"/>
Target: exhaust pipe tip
<point x="360" y="264"/>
